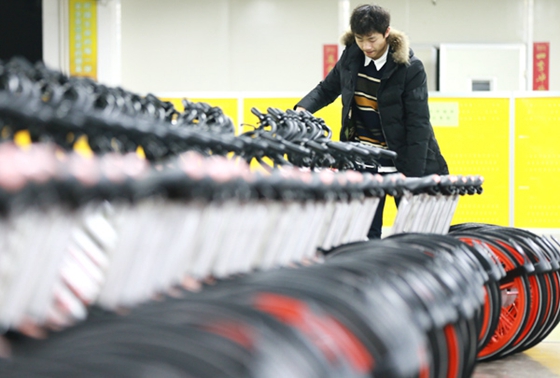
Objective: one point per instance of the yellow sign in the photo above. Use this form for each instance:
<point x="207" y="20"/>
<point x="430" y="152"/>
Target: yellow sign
<point x="83" y="38"/>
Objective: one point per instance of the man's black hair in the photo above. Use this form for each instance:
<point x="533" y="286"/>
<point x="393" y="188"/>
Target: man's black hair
<point x="369" y="18"/>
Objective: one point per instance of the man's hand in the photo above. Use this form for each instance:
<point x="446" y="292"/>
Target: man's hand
<point x="300" y="109"/>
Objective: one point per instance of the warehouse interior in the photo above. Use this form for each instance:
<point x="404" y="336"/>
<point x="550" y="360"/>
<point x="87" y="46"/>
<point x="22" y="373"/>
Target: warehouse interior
<point x="494" y="103"/>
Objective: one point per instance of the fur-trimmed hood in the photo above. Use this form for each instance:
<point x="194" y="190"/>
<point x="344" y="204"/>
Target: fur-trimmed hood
<point x="398" y="41"/>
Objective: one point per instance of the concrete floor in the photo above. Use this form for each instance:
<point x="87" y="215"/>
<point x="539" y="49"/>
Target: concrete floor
<point x="542" y="361"/>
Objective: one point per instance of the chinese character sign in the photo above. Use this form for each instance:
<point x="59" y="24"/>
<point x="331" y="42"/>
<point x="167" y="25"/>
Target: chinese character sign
<point x="541" y="58"/>
<point x="330" y="57"/>
<point x="83" y="38"/>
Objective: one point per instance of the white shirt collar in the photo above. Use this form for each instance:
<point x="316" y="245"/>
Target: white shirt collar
<point x="379" y="63"/>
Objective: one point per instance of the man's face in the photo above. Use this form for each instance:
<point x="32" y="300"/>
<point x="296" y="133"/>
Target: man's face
<point x="373" y="45"/>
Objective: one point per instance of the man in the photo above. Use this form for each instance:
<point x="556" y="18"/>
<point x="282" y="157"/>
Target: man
<point x="384" y="98"/>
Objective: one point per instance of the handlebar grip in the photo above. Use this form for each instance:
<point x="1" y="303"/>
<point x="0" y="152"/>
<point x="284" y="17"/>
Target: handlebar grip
<point x="275" y="112"/>
<point x="340" y="146"/>
<point x="257" y="113"/>
<point x="388" y="153"/>
<point x="316" y="146"/>
<point x="296" y="148"/>
<point x="415" y="184"/>
<point x="363" y="151"/>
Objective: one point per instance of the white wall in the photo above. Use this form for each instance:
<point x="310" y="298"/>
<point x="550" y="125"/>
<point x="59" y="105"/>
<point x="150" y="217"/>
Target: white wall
<point x="276" y="45"/>
<point x="502" y="65"/>
<point x="429" y="22"/>
<point x="225" y="45"/>
<point x="52" y="27"/>
<point x="109" y="67"/>
<point x="457" y="21"/>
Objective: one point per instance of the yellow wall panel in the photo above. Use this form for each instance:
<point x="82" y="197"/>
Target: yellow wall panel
<point x="473" y="134"/>
<point x="479" y="145"/>
<point x="228" y="106"/>
<point x="22" y="138"/>
<point x="330" y="114"/>
<point x="177" y="102"/>
<point x="389" y="212"/>
<point x="474" y="139"/>
<point x="262" y="104"/>
<point x="537" y="163"/>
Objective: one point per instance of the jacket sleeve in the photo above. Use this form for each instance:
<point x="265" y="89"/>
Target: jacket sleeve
<point x="417" y="119"/>
<point x="325" y="92"/>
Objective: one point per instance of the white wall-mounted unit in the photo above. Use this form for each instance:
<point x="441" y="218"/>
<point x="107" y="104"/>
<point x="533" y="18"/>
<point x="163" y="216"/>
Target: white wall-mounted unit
<point x="472" y="67"/>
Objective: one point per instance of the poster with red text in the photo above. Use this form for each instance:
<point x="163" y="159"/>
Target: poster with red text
<point x="330" y="57"/>
<point x="541" y="62"/>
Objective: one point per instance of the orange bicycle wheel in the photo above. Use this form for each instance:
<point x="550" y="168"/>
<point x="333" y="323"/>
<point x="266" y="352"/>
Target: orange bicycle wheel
<point x="514" y="312"/>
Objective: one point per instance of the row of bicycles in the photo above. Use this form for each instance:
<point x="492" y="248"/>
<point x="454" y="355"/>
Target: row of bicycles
<point x="187" y="262"/>
<point x="80" y="230"/>
<point x="54" y="108"/>
<point x="410" y="305"/>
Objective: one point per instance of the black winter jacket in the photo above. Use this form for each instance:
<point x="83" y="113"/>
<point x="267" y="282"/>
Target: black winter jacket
<point x="402" y="100"/>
